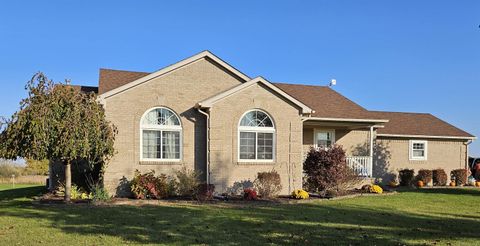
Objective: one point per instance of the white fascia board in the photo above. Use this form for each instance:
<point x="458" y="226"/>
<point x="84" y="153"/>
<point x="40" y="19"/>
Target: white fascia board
<point x="426" y="136"/>
<point x="346" y="120"/>
<point x="208" y="103"/>
<point x="204" y="54"/>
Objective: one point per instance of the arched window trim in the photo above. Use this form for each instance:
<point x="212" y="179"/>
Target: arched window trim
<point x="161" y="128"/>
<point x="256" y="130"/>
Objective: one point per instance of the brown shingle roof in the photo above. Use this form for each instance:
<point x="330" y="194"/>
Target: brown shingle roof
<point x="417" y="124"/>
<point x="326" y="102"/>
<point x="86" y="89"/>
<point x="110" y="79"/>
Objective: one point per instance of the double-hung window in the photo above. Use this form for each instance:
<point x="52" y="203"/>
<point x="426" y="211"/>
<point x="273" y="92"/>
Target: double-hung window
<point x="324" y="139"/>
<point x="256" y="133"/>
<point x="161" y="134"/>
<point x="418" y="150"/>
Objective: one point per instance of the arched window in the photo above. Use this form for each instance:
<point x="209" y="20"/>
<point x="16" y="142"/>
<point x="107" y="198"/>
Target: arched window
<point x="256" y="133"/>
<point x="161" y="134"/>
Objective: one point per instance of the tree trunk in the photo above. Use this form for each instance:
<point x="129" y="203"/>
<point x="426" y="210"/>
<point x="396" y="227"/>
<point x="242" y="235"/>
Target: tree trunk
<point x="68" y="181"/>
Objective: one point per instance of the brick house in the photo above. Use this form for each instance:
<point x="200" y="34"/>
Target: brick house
<point x="204" y="114"/>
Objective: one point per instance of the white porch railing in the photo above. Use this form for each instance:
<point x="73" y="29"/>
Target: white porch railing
<point x="361" y="165"/>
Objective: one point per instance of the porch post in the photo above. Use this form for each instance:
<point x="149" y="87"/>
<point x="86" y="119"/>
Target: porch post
<point x="371" y="153"/>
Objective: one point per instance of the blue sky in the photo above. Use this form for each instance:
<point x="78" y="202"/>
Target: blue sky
<point x="414" y="56"/>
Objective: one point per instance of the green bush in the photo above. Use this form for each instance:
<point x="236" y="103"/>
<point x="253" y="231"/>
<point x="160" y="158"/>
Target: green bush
<point x="406" y="177"/>
<point x="460" y="176"/>
<point x="268" y="184"/>
<point x="99" y="194"/>
<point x="188" y="182"/>
<point x="440" y="177"/>
<point x="425" y="175"/>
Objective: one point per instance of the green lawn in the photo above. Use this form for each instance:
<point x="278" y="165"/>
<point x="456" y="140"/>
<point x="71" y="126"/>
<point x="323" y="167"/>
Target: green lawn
<point x="441" y="217"/>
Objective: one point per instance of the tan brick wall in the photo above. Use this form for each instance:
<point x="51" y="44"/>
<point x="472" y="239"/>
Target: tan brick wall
<point x="394" y="155"/>
<point x="179" y="91"/>
<point x="225" y="116"/>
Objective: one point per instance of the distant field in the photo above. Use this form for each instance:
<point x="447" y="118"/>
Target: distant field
<point x="27" y="179"/>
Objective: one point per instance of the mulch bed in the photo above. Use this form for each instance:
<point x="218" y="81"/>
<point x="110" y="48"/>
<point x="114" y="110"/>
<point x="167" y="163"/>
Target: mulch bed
<point x="52" y="199"/>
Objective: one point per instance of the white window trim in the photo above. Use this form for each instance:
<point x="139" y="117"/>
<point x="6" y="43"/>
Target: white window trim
<point x="414" y="158"/>
<point x="331" y="131"/>
<point x="257" y="130"/>
<point x="160" y="128"/>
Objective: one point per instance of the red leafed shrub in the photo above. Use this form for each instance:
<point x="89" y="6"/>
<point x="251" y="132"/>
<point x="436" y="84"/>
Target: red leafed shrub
<point x="406" y="177"/>
<point x="149" y="186"/>
<point x="250" y="194"/>
<point x="205" y="192"/>
<point x="327" y="170"/>
<point x="440" y="177"/>
<point x="424" y="175"/>
<point x="268" y="184"/>
<point x="460" y="176"/>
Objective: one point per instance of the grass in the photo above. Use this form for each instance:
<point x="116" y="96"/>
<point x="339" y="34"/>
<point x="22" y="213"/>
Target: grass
<point x="427" y="216"/>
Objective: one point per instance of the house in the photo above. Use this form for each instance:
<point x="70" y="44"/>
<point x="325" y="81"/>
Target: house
<point x="205" y="114"/>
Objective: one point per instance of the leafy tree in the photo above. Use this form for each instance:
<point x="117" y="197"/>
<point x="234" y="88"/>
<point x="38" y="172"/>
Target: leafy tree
<point x="60" y="123"/>
<point x="37" y="167"/>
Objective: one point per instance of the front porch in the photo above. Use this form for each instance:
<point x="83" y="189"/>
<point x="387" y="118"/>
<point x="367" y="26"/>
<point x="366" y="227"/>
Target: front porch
<point x="355" y="136"/>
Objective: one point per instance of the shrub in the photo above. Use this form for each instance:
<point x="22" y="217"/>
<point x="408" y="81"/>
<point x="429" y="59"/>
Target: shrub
<point x="250" y="194"/>
<point x="376" y="189"/>
<point x="268" y="184"/>
<point x="148" y="186"/>
<point x="460" y="176"/>
<point x="205" y="192"/>
<point x="425" y="176"/>
<point x="187" y="182"/>
<point x="439" y="177"/>
<point x="406" y="176"/>
<point x="327" y="170"/>
<point x="99" y="194"/>
<point x="300" y="194"/>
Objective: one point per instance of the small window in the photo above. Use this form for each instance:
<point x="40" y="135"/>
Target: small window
<point x="256" y="134"/>
<point x="418" y="150"/>
<point x="160" y="135"/>
<point x="324" y="139"/>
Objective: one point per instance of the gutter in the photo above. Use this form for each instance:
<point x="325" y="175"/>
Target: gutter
<point x="207" y="117"/>
<point x="347" y="120"/>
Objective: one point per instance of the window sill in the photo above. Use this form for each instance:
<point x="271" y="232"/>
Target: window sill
<point x="160" y="163"/>
<point x="255" y="163"/>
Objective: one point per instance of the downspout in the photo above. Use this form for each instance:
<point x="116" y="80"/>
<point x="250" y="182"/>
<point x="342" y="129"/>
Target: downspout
<point x="371" y="152"/>
<point x="207" y="117"/>
<point x="466" y="153"/>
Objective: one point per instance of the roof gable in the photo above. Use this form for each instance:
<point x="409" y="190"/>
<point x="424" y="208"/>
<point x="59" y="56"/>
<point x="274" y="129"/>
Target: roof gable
<point x="209" y="102"/>
<point x="139" y="78"/>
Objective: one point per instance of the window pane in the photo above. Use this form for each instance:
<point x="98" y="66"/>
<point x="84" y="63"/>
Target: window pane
<point x="161" y="116"/>
<point x="265" y="146"/>
<point x="151" y="144"/>
<point x="247" y="145"/>
<point x="256" y="119"/>
<point x="171" y="145"/>
<point x="418" y="153"/>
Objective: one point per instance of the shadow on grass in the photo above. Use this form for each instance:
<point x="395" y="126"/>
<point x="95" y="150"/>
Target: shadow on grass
<point x="26" y="192"/>
<point x="448" y="191"/>
<point x="324" y="223"/>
